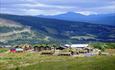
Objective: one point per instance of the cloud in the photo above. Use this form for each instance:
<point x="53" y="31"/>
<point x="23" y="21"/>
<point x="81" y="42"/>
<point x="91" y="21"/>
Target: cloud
<point x="86" y="12"/>
<point x="52" y="7"/>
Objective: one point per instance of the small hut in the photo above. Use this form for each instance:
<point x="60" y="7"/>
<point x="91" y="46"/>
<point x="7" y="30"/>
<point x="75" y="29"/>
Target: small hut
<point x="61" y="48"/>
<point x="41" y="48"/>
<point x="26" y="47"/>
<point x="47" y="48"/>
<point x="19" y="50"/>
<point x="80" y="48"/>
<point x="13" y="50"/>
<point x="37" y="48"/>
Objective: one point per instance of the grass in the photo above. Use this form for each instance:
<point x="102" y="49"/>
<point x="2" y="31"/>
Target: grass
<point x="90" y="63"/>
<point x="2" y="50"/>
<point x="34" y="61"/>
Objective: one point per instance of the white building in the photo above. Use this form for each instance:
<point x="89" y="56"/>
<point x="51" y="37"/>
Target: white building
<point x="77" y="45"/>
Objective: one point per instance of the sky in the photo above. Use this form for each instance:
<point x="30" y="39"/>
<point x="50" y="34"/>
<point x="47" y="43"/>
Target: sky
<point x="54" y="7"/>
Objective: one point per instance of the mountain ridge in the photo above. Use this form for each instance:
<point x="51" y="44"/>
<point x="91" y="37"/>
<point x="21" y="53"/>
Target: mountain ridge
<point x="107" y="19"/>
<point x="65" y="31"/>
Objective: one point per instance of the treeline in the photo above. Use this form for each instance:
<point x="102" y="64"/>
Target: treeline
<point x="103" y="46"/>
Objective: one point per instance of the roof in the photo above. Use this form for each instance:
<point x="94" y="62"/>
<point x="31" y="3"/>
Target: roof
<point x="19" y="49"/>
<point x="78" y="45"/>
<point x="67" y="45"/>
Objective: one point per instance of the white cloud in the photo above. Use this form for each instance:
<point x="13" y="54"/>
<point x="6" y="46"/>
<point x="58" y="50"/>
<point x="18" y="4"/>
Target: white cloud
<point x="52" y="7"/>
<point x="87" y="13"/>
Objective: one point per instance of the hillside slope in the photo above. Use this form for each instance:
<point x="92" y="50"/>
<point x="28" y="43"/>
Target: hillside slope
<point x="66" y="30"/>
<point x="12" y="32"/>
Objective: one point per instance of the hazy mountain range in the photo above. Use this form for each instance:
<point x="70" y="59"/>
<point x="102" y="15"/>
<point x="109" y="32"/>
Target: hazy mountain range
<point x="31" y="29"/>
<point x="107" y="19"/>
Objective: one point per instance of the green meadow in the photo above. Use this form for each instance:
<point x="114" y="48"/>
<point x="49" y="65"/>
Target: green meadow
<point x="35" y="61"/>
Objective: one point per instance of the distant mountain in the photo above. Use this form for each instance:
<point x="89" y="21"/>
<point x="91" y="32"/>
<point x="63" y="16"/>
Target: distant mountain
<point x="107" y="19"/>
<point x="66" y="16"/>
<point x="63" y="31"/>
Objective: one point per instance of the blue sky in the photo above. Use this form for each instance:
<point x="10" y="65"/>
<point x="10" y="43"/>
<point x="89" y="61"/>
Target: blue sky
<point x="53" y="7"/>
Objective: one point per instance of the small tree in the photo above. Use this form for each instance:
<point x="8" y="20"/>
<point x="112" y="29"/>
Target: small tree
<point x="100" y="46"/>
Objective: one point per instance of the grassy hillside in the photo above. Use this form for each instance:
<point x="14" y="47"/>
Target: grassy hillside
<point x="14" y="33"/>
<point x="92" y="63"/>
<point x="34" y="61"/>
